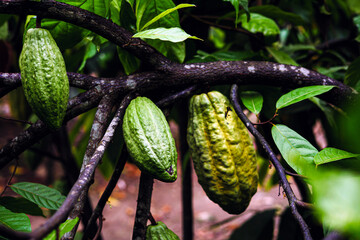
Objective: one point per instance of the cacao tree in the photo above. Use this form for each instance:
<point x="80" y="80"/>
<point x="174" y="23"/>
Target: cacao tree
<point x="94" y="74"/>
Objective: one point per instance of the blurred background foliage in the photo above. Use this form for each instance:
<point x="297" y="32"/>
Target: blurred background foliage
<point x="321" y="35"/>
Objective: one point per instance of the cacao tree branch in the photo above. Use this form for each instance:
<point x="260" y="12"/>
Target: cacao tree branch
<point x="88" y="20"/>
<point x="222" y="72"/>
<point x="82" y="181"/>
<point x="143" y="206"/>
<point x="68" y="162"/>
<point x="279" y="168"/>
<point x="77" y="80"/>
<point x="98" y="129"/>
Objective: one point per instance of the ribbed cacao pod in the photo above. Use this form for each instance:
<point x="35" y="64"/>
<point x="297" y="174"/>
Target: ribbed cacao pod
<point x="149" y="141"/>
<point x="160" y="232"/>
<point x="43" y="77"/>
<point x="222" y="152"/>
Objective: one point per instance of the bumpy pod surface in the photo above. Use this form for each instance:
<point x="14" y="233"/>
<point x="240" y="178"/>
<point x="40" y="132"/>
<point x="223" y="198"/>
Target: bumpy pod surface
<point x="148" y="138"/>
<point x="43" y="77"/>
<point x="160" y="232"/>
<point x="222" y="152"/>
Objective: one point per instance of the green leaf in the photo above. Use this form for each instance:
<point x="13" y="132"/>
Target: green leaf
<point x="281" y="56"/>
<point x="277" y="13"/>
<point x="217" y="36"/>
<point x="165" y="34"/>
<point x="65" y="227"/>
<point x="163" y="14"/>
<point x="332" y="154"/>
<point x="337" y="203"/>
<point x="174" y="51"/>
<point x="237" y="4"/>
<point x="259" y="24"/>
<point x="122" y="14"/>
<point x="295" y="149"/>
<point x="146" y="10"/>
<point x="15" y="221"/>
<point x="352" y="75"/>
<point x="300" y="94"/>
<point x="252" y="100"/>
<point x="21" y="205"/>
<point x="42" y="195"/>
<point x="129" y="62"/>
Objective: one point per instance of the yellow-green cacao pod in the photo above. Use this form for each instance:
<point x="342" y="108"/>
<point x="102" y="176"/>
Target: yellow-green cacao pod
<point x="149" y="141"/>
<point x="160" y="232"/>
<point x="222" y="152"/>
<point x="43" y="77"/>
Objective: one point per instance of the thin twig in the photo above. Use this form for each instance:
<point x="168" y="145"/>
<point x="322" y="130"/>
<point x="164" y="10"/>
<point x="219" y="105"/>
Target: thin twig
<point x="17" y="120"/>
<point x="295" y="175"/>
<point x="280" y="169"/>
<point x="98" y="232"/>
<point x="97" y="213"/>
<point x="11" y="177"/>
<point x="152" y="219"/>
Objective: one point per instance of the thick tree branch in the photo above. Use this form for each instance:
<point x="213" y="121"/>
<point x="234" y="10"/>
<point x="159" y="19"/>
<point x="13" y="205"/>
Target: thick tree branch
<point x="279" y="168"/>
<point x="75" y="80"/>
<point x="98" y="129"/>
<point x="239" y="72"/>
<point x="95" y="23"/>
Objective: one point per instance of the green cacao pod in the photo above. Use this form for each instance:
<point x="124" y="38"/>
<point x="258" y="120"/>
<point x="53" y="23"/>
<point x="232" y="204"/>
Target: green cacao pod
<point x="222" y="152"/>
<point x="149" y="141"/>
<point x="160" y="232"/>
<point x="43" y="77"/>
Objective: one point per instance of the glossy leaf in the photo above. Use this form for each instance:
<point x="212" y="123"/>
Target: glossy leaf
<point x="295" y="149"/>
<point x="281" y="56"/>
<point x="42" y="195"/>
<point x="21" y="205"/>
<point x="146" y="10"/>
<point x="332" y="154"/>
<point x="336" y="195"/>
<point x="15" y="221"/>
<point x="163" y="14"/>
<point x="259" y="24"/>
<point x="301" y="94"/>
<point x="252" y="100"/>
<point x="65" y="227"/>
<point x="165" y="34"/>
